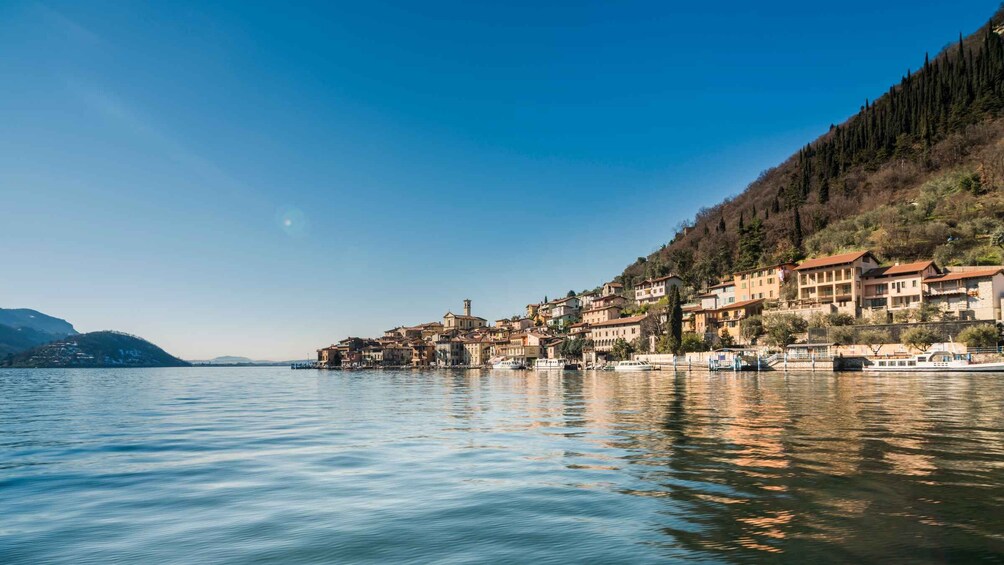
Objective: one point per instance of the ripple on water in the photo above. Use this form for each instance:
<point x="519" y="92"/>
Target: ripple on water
<point x="266" y="464"/>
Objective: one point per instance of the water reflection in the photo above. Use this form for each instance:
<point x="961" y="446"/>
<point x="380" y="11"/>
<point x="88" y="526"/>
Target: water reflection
<point x="470" y="466"/>
<point x="806" y="466"/>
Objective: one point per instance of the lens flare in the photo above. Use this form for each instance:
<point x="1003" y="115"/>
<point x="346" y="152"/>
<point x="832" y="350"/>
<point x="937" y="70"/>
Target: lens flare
<point x="292" y="221"/>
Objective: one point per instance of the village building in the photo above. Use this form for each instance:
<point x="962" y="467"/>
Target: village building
<point x="463" y="321"/>
<point x="728" y="319"/>
<point x="449" y="352"/>
<point x="372" y="355"/>
<point x="476" y="351"/>
<point x="423" y="354"/>
<point x="580" y="330"/>
<point x="601" y="314"/>
<point x="690" y="312"/>
<point x="586" y="299"/>
<point x="609" y="300"/>
<point x="611" y="288"/>
<point x="604" y="334"/>
<point x="834" y="283"/>
<point x="552" y="347"/>
<point x="397" y="355"/>
<point x="329" y="356"/>
<point x="652" y="290"/>
<point x="969" y="293"/>
<point x="524" y="346"/>
<point x="721" y="294"/>
<point x="564" y="312"/>
<point x="896" y="287"/>
<point x="762" y="282"/>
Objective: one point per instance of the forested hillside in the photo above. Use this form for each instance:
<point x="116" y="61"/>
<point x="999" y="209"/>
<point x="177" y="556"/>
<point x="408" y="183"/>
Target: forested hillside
<point x="917" y="173"/>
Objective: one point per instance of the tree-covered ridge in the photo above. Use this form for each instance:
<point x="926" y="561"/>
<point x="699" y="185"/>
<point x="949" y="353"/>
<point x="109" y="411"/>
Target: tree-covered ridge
<point x="95" y="349"/>
<point x="942" y="122"/>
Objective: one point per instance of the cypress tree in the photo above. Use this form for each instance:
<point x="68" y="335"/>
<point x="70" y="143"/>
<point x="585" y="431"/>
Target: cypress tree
<point x="675" y="316"/>
<point x="796" y="232"/>
<point x="824" y="191"/>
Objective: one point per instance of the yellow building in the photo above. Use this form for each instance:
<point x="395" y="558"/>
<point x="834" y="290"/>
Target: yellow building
<point x="763" y="282"/>
<point x="834" y="280"/>
<point x="729" y="318"/>
<point x="601" y="314"/>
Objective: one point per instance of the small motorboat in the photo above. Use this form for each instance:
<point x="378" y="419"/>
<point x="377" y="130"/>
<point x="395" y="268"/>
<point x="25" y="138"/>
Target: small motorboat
<point x="551" y="364"/>
<point x="509" y="364"/>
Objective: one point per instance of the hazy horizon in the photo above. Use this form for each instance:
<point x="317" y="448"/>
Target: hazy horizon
<point x="264" y="180"/>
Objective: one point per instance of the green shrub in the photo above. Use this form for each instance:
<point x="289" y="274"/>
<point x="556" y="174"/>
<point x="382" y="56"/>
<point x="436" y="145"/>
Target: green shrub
<point x="985" y="335"/>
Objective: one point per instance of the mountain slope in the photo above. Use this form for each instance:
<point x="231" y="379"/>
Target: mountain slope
<point x="937" y="135"/>
<point x="33" y="319"/>
<point x="95" y="349"/>
<point x="21" y="329"/>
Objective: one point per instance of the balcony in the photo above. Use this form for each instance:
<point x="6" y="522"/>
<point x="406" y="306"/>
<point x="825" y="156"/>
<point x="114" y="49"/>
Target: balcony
<point x="945" y="291"/>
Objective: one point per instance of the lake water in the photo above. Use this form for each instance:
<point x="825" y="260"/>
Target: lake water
<point x="203" y="465"/>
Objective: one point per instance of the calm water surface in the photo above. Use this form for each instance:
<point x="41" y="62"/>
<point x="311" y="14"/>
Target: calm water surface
<point x="207" y="465"/>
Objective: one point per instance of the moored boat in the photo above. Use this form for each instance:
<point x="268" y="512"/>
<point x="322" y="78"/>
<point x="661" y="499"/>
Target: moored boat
<point x="510" y="364"/>
<point x="551" y="364"/>
<point x="633" y="366"/>
<point x="937" y="361"/>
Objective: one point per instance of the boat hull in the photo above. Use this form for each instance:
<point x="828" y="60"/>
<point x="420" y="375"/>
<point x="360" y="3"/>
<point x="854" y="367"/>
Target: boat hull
<point x="978" y="368"/>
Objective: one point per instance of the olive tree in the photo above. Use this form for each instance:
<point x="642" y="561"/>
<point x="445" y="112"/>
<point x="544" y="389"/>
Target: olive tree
<point x="780" y="329"/>
<point x="874" y="339"/>
<point x="919" y="338"/>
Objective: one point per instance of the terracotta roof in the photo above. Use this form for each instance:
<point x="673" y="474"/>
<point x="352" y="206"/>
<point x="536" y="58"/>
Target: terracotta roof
<point x="658" y="279"/>
<point x="464" y="316"/>
<point x="742" y="304"/>
<point x="620" y="321"/>
<point x="600" y="309"/>
<point x="764" y="268"/>
<point x="722" y="285"/>
<point x="961" y="275"/>
<point x="904" y="269"/>
<point x="614" y="284"/>
<point x="579" y="325"/>
<point x="692" y="308"/>
<point x="832" y="260"/>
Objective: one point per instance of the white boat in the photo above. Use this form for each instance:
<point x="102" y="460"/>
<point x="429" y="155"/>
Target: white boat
<point x="633" y="366"/>
<point x="511" y="364"/>
<point x="551" y="364"/>
<point x="937" y="361"/>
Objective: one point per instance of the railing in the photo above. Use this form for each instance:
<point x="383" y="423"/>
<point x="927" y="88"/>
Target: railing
<point x="997" y="349"/>
<point x="944" y="291"/>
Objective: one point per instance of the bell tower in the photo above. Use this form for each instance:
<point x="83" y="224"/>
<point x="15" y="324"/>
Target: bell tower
<point x="467" y="307"/>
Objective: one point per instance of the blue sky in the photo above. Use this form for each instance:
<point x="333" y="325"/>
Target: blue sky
<point x="258" y="179"/>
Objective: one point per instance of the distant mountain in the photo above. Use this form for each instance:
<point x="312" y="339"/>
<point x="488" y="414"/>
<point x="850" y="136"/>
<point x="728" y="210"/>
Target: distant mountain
<point x="35" y="320"/>
<point x="95" y="349"/>
<point x="21" y="329"/>
<point x="229" y="360"/>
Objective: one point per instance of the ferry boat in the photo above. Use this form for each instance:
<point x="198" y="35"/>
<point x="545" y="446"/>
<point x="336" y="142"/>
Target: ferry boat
<point x="511" y="364"/>
<point x="633" y="366"/>
<point x="551" y="364"/>
<point x="937" y="361"/>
